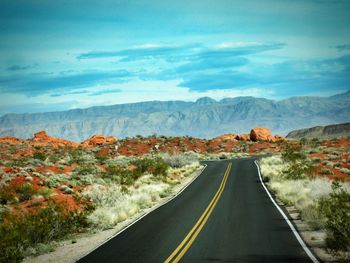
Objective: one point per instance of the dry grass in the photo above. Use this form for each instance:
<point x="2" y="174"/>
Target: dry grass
<point x="304" y="194"/>
<point x="115" y="204"/>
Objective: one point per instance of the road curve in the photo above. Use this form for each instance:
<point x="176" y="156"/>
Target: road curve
<point x="225" y="215"/>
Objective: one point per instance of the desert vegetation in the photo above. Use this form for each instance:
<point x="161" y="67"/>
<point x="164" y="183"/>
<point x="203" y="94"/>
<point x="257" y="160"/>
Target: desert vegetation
<point x="50" y="193"/>
<point x="304" y="176"/>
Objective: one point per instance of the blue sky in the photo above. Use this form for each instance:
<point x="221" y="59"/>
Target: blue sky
<point x="58" y="55"/>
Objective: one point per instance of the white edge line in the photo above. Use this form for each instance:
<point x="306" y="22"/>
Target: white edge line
<point x="142" y="216"/>
<point x="295" y="232"/>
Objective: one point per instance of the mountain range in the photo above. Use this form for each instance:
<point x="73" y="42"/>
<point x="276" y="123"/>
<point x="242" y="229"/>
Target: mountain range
<point x="322" y="132"/>
<point x="205" y="117"/>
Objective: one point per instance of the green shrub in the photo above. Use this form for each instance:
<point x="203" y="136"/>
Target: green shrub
<point x="55" y="158"/>
<point x="86" y="169"/>
<point x="40" y="156"/>
<point x="121" y="174"/>
<point x="16" y="193"/>
<point x="291" y="153"/>
<point x="336" y="209"/>
<point x="76" y="156"/>
<point x="303" y="141"/>
<point x="315" y="143"/>
<point x="157" y="166"/>
<point x="18" y="162"/>
<point x="326" y="171"/>
<point x="45" y="192"/>
<point x="6" y="195"/>
<point x="101" y="159"/>
<point x="18" y="232"/>
<point x="298" y="170"/>
<point x="24" y="192"/>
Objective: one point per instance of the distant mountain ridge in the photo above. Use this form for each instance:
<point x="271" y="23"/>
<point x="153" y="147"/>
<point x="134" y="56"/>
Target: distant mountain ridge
<point x="205" y="117"/>
<point x="322" y="132"/>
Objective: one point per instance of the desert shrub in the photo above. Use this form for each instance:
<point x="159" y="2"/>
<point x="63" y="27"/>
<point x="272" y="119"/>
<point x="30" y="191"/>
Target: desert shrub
<point x="303" y="193"/>
<point x="45" y="192"/>
<point x="303" y="141"/>
<point x="6" y="195"/>
<point x="312" y="216"/>
<point x="316" y="160"/>
<point x="18" y="193"/>
<point x="298" y="170"/>
<point x="210" y="149"/>
<point x="121" y="175"/>
<point x="119" y="161"/>
<point x="326" y="171"/>
<point x="40" y="156"/>
<point x="333" y="157"/>
<point x="156" y="166"/>
<point x="336" y="209"/>
<point x="101" y="159"/>
<point x="80" y="156"/>
<point x="114" y="206"/>
<point x="24" y="191"/>
<point x="345" y="171"/>
<point x="55" y="180"/>
<point x="292" y="153"/>
<point x="19" y="162"/>
<point x="315" y="143"/>
<point x="86" y="169"/>
<point x="55" y="158"/>
<point x="272" y="168"/>
<point x="20" y="231"/>
<point x="180" y="160"/>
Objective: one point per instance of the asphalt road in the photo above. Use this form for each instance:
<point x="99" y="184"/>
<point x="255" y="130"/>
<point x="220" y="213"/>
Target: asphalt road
<point x="225" y="215"/>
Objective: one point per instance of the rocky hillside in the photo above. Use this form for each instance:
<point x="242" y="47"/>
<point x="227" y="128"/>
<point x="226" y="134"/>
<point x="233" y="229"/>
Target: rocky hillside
<point x="322" y="132"/>
<point x="204" y="118"/>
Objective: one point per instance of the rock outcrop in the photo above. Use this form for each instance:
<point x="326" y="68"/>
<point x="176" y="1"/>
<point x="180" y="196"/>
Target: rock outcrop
<point x="256" y="134"/>
<point x="261" y="134"/>
<point x="227" y="137"/>
<point x="98" y="139"/>
<point x="243" y="137"/>
<point x="42" y="139"/>
<point x="10" y="140"/>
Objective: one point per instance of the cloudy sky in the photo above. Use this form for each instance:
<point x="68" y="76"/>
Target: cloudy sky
<point x="58" y="55"/>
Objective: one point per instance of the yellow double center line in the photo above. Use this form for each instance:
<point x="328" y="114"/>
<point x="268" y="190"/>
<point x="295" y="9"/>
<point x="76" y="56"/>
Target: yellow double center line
<point x="192" y="235"/>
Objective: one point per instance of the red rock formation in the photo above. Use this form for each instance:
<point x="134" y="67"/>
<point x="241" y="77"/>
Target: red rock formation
<point x="41" y="135"/>
<point x="227" y="137"/>
<point x="98" y="139"/>
<point x="42" y="139"/>
<point x="243" y="137"/>
<point x="261" y="134"/>
<point x="10" y="140"/>
<point x="256" y="134"/>
<point x="39" y="139"/>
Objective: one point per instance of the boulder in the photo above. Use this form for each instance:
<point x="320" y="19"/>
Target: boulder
<point x="98" y="139"/>
<point x="261" y="134"/>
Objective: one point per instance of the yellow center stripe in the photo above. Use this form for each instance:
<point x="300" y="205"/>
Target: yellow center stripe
<point x="191" y="236"/>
